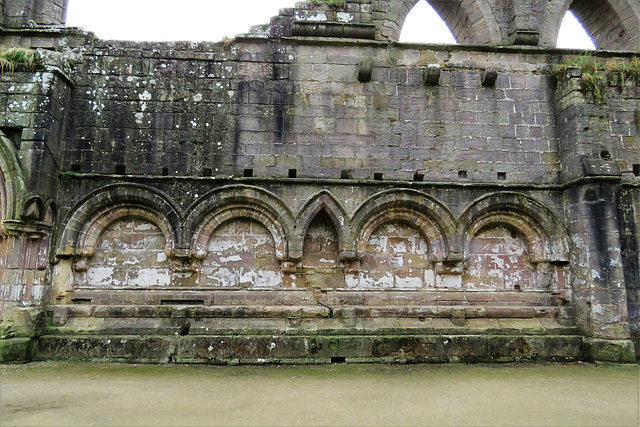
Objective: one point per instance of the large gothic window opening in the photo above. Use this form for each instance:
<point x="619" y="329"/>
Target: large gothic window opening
<point x="572" y="34"/>
<point x="424" y="25"/>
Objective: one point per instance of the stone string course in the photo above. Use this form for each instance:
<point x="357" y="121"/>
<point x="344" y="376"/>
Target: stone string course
<point x="314" y="191"/>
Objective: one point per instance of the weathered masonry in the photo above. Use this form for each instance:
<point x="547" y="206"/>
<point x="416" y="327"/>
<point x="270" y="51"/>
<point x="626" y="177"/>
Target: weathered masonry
<point x="314" y="191"/>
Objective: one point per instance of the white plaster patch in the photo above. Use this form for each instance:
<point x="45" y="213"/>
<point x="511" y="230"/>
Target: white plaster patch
<point x="154" y="277"/>
<point x="100" y="276"/>
<point x="344" y="17"/>
<point x="319" y="17"/>
<point x="231" y="259"/>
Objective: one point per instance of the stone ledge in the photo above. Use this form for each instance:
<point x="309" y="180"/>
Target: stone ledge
<point x="304" y="349"/>
<point x="170" y="327"/>
<point x="344" y="312"/>
<point x="16" y="350"/>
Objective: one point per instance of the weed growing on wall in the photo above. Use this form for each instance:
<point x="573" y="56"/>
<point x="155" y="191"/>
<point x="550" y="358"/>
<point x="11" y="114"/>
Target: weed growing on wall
<point x="331" y="3"/>
<point x="18" y="59"/>
<point x="597" y="75"/>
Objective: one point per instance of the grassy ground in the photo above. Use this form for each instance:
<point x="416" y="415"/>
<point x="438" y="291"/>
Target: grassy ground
<point x="533" y="394"/>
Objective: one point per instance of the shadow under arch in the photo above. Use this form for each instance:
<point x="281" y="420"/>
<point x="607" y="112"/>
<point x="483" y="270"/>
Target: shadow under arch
<point x="322" y="201"/>
<point x="111" y="203"/>
<point x="545" y="235"/>
<point x="238" y="201"/>
<point x="470" y="21"/>
<point x="612" y="25"/>
<point x="417" y="209"/>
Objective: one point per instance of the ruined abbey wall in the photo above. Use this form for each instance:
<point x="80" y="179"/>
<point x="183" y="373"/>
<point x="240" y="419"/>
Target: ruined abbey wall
<point x="315" y="180"/>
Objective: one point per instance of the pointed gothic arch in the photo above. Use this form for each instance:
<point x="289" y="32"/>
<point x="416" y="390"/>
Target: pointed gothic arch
<point x="612" y="25"/>
<point x="470" y="21"/>
<point x="12" y="183"/>
<point x="322" y="201"/>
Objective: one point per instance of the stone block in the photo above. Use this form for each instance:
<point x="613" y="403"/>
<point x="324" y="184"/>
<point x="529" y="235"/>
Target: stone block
<point x="619" y="351"/>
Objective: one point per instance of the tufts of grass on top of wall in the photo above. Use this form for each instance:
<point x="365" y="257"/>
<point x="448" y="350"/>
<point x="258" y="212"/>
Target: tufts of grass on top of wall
<point x="597" y="75"/>
<point x="18" y="59"/>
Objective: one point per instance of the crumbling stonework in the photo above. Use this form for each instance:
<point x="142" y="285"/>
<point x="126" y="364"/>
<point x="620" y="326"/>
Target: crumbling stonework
<point x="314" y="191"/>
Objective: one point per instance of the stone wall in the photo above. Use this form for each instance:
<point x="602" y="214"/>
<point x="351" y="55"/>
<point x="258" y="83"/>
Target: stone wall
<point x="315" y="178"/>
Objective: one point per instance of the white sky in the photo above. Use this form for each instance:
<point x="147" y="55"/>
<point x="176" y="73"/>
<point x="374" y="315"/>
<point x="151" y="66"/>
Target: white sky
<point x="212" y="20"/>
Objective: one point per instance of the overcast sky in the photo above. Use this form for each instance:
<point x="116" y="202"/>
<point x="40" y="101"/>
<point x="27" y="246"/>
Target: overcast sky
<point x="212" y="20"/>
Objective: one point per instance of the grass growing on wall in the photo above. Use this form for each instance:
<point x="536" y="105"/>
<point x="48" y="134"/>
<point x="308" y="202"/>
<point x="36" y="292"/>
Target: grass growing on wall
<point x="331" y="3"/>
<point x="18" y="59"/>
<point x="597" y="75"/>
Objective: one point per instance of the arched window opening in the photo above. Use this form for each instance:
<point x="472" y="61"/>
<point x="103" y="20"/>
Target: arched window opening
<point x="424" y="25"/>
<point x="572" y="34"/>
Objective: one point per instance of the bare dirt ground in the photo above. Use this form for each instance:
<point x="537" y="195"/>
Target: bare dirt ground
<point x="67" y="394"/>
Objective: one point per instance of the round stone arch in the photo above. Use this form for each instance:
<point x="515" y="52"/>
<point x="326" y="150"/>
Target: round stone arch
<point x="12" y="183"/>
<point x="545" y="236"/>
<point x="215" y="219"/>
<point x="89" y="236"/>
<point x="321" y="201"/>
<point x="470" y="21"/>
<point x="238" y="201"/>
<point x="434" y="220"/>
<point x="142" y="199"/>
<point x="612" y="24"/>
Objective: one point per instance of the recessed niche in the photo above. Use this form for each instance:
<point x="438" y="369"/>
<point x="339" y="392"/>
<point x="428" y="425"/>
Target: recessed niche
<point x="502" y="176"/>
<point x="462" y="174"/>
<point x="248" y="173"/>
<point x="346" y="174"/>
<point x="293" y="173"/>
<point x="378" y="176"/>
<point x="418" y="177"/>
<point x="120" y="169"/>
